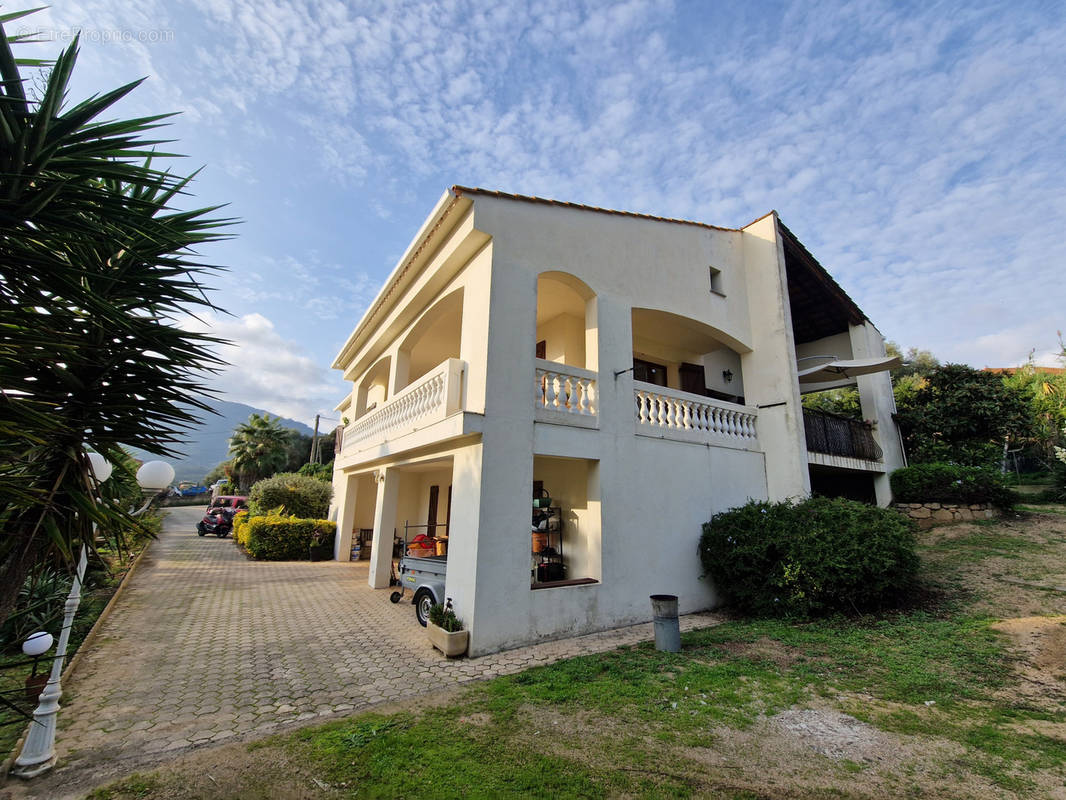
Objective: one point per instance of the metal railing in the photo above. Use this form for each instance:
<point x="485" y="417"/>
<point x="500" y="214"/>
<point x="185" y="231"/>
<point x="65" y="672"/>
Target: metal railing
<point x="839" y="436"/>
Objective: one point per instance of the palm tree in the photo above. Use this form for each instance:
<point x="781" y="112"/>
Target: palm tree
<point x="95" y="265"/>
<point x="259" y="448"/>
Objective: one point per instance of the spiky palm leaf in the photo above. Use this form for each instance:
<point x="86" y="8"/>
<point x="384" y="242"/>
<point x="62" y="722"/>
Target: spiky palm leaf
<point x="259" y="448"/>
<point x="96" y="265"/>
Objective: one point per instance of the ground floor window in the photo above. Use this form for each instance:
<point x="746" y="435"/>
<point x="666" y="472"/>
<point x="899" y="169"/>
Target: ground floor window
<point x="565" y="540"/>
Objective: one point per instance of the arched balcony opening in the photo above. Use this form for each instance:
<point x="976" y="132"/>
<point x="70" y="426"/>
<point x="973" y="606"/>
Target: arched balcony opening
<point x="566" y="321"/>
<point x="677" y="352"/>
<point x="683" y="370"/>
<point x="435" y="338"/>
<point x="567" y="349"/>
<point x="373" y="389"/>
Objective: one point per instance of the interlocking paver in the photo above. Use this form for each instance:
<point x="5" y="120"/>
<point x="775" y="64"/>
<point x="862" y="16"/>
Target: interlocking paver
<point x="206" y="645"/>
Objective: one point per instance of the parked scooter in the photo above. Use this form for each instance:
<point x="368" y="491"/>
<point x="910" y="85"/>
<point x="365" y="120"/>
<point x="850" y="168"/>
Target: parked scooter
<point x="219" y="517"/>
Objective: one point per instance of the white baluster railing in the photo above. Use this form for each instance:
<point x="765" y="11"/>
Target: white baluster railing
<point x="431" y="398"/>
<point x="674" y="414"/>
<point x="559" y="389"/>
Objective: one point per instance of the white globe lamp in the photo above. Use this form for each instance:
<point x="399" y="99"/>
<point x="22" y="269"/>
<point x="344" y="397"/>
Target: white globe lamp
<point x="100" y="467"/>
<point x="37" y="644"/>
<point x="155" y="475"/>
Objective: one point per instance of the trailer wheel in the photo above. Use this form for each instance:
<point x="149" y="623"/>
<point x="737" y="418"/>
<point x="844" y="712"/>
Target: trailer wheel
<point x="423" y="600"/>
<point x="395" y="597"/>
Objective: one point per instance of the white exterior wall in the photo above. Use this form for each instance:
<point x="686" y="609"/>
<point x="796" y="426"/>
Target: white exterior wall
<point x="653" y="495"/>
<point x="635" y="501"/>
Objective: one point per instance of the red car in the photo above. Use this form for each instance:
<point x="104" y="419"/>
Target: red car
<point x="219" y="517"/>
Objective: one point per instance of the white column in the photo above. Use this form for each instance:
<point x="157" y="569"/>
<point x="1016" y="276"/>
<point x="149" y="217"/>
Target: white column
<point x="384" y="526"/>
<point x="345" y="502"/>
<point x="878" y="404"/>
<point x="770" y="379"/>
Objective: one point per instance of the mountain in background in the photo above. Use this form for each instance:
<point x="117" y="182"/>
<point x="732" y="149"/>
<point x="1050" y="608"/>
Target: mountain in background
<point x="208" y="444"/>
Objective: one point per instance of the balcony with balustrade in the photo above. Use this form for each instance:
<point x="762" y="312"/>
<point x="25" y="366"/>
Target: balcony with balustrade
<point x="427" y="410"/>
<point x="672" y="414"/>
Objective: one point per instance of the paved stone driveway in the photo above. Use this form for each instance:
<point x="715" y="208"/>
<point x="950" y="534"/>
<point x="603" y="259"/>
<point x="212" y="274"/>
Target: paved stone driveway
<point x="206" y="646"/>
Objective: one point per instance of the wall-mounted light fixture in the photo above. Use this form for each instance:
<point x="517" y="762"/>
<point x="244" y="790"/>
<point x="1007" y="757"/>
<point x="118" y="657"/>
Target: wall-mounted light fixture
<point x="727" y="375"/>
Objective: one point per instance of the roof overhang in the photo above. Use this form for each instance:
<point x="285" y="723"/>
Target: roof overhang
<point x="423" y="244"/>
<point x="820" y="307"/>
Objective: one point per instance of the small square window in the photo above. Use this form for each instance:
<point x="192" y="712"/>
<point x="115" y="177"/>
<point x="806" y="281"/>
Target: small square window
<point x="716" y="281"/>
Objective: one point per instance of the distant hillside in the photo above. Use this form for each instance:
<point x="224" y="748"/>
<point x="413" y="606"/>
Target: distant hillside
<point x="208" y="444"/>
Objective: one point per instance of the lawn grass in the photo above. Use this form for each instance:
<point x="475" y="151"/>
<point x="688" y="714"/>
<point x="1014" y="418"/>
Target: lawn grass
<point x="605" y="725"/>
<point x="641" y="723"/>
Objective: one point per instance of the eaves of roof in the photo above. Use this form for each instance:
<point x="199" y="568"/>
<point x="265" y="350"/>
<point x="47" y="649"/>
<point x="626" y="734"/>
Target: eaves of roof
<point x="461" y="190"/>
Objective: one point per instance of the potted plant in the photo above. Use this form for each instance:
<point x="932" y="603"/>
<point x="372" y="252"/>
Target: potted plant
<point x="321" y="545"/>
<point x="445" y="630"/>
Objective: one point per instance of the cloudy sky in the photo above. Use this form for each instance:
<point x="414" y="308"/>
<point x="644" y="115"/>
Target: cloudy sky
<point x="916" y="149"/>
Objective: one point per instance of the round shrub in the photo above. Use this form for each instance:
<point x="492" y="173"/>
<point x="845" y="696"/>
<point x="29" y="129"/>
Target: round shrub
<point x="811" y="558"/>
<point x="942" y="482"/>
<point x="296" y="495"/>
<point x="275" y="538"/>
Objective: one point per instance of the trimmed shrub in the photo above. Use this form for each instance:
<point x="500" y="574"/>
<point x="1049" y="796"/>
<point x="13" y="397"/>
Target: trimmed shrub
<point x="240" y="527"/>
<point x="941" y="482"/>
<point x="299" y="495"/>
<point x="275" y="538"/>
<point x="818" y="556"/>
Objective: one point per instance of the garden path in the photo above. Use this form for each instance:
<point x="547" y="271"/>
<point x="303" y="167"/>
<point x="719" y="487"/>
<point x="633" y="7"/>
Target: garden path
<point x="206" y="646"/>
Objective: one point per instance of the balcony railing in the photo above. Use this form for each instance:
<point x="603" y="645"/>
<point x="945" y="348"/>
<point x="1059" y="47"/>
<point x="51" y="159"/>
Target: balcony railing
<point x="434" y="396"/>
<point x="839" y="436"/>
<point x="679" y="415"/>
<point x="560" y="391"/>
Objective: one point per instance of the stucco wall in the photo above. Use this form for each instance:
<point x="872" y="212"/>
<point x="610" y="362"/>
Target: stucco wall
<point x="635" y="503"/>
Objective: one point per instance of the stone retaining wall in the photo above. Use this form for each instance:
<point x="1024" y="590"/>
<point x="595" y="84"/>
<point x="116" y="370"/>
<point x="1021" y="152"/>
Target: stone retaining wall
<point x="929" y="514"/>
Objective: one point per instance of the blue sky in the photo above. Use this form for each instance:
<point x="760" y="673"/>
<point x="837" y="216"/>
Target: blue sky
<point x="916" y="149"/>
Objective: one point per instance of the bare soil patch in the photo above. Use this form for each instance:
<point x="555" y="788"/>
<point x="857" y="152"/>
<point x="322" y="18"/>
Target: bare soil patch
<point x="764" y="649"/>
<point x="1040" y="643"/>
<point x="1018" y="555"/>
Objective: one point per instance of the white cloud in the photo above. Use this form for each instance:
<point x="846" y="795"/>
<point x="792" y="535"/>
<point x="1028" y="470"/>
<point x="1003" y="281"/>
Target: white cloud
<point x="268" y="371"/>
<point x="917" y="151"/>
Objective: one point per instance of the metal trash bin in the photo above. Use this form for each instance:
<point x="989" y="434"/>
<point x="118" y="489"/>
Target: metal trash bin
<point x="667" y="626"/>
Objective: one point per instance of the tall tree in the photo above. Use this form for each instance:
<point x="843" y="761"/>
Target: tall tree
<point x="259" y="448"/>
<point x="963" y="415"/>
<point x="95" y="265"/>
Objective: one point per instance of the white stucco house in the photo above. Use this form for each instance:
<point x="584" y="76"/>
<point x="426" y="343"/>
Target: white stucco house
<point x="643" y="372"/>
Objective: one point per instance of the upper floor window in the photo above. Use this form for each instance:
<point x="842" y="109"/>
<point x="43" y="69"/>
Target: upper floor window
<point x="716" y="281"/>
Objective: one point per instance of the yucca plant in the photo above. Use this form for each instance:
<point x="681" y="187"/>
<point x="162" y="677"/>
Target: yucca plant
<point x="95" y="266"/>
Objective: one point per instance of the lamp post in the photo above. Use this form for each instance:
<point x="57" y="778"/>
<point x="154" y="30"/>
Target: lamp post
<point x="39" y="752"/>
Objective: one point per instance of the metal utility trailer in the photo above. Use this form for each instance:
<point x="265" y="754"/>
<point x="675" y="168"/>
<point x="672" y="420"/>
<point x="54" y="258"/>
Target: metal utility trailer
<point x="424" y="576"/>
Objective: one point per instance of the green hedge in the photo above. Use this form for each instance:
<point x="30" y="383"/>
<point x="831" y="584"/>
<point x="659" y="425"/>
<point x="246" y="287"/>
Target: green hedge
<point x="814" y="557"/>
<point x="297" y="495"/>
<point x="276" y="538"/>
<point x="941" y="482"/>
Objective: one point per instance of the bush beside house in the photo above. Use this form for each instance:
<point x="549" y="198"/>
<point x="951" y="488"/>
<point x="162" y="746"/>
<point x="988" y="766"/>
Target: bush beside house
<point x="813" y="557"/>
<point x="296" y="495"/>
<point x="278" y="538"/>
<point x="950" y="483"/>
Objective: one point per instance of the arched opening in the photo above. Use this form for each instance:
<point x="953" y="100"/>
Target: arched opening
<point x="436" y="337"/>
<point x="373" y="389"/>
<point x="567" y="331"/>
<point x="677" y="352"/>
